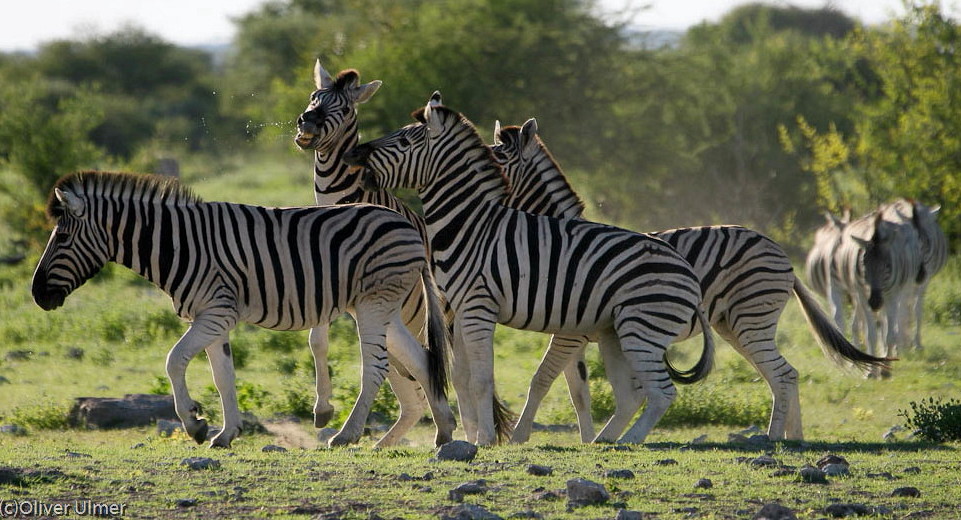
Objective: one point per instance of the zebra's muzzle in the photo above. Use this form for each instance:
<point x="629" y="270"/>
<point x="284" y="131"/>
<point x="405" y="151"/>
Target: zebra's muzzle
<point x="47" y="298"/>
<point x="875" y="300"/>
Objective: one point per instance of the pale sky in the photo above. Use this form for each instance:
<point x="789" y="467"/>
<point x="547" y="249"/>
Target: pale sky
<point x="25" y="24"/>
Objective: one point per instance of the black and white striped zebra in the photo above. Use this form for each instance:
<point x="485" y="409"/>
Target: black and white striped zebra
<point x="746" y="280"/>
<point x="328" y="127"/>
<point x="934" y="254"/>
<point x="874" y="262"/>
<point x="499" y="265"/>
<point x="819" y="264"/>
<point x="222" y="263"/>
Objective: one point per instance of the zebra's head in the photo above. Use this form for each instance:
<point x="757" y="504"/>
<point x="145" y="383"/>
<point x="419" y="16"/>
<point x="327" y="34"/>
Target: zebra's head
<point x="442" y="143"/>
<point x="75" y="251"/>
<point x="331" y="112"/>
<point x="515" y="147"/>
<point x="878" y="261"/>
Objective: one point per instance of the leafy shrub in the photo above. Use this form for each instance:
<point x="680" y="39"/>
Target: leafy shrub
<point x="284" y="342"/>
<point x="251" y="396"/>
<point x="296" y="403"/>
<point x="46" y="416"/>
<point x="160" y="386"/>
<point x="706" y="404"/>
<point x="286" y="365"/>
<point x="103" y="357"/>
<point x="934" y="420"/>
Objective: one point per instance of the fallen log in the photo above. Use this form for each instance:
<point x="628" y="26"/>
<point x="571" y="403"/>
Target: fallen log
<point x="132" y="410"/>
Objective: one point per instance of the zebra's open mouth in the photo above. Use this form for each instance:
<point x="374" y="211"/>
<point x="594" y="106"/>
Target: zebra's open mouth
<point x="305" y="140"/>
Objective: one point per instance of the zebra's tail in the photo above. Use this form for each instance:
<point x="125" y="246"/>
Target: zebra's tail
<point x="704" y="365"/>
<point x="438" y="338"/>
<point x="504" y="420"/>
<point x="831" y="340"/>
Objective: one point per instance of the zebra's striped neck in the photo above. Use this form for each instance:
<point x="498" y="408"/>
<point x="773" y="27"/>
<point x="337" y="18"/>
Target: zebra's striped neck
<point x="334" y="183"/>
<point x="539" y="186"/>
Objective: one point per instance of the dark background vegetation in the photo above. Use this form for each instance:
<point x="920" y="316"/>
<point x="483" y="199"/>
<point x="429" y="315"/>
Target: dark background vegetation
<point x="765" y="119"/>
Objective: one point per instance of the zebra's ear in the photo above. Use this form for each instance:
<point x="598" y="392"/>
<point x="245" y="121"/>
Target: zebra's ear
<point x="321" y="78"/>
<point x="934" y="209"/>
<point x="861" y="242"/>
<point x="529" y="137"/>
<point x="363" y="93"/>
<point x="432" y="117"/>
<point x="497" y="132"/>
<point x="72" y="203"/>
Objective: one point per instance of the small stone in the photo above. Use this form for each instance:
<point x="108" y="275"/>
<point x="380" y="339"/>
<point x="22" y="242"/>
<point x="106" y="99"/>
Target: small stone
<point x="703" y="483"/>
<point x="774" y="512"/>
<point x="273" y="448"/>
<point x="167" y="428"/>
<point x="476" y="487"/>
<point x="138" y="446"/>
<point x="764" y="461"/>
<point x="700" y="439"/>
<point x="913" y="470"/>
<point x="836" y="470"/>
<point x="812" y="475"/>
<point x="457" y="450"/>
<point x="197" y="463"/>
<point x="539" y="471"/>
<point x="546" y="495"/>
<point x="906" y="491"/>
<point x="624" y="514"/>
<point x="468" y="512"/>
<point x="619" y="473"/>
<point x="74" y="353"/>
<point x="324" y="434"/>
<point x="75" y="455"/>
<point x="844" y="510"/>
<point x="4" y="381"/>
<point x="585" y="492"/>
<point x="665" y="462"/>
<point x="186" y="502"/>
<point x="831" y="459"/>
<point x="529" y="513"/>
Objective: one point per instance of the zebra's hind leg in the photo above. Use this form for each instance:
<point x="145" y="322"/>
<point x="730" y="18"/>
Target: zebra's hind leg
<point x="756" y="343"/>
<point x="563" y="353"/>
<point x="222" y="367"/>
<point x="204" y="331"/>
<point x="413" y="357"/>
<point x="628" y="397"/>
<point x="461" y="377"/>
<point x="319" y="344"/>
<point x="478" y="331"/>
<point x="410" y="399"/>
<point x="372" y="322"/>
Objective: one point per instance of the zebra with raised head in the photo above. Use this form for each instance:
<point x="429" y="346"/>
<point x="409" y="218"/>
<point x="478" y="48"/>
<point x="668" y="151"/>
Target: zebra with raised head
<point x="874" y="262"/>
<point x="328" y="127"/>
<point x="567" y="276"/>
<point x="934" y="254"/>
<point x="222" y="263"/>
<point x="746" y="280"/>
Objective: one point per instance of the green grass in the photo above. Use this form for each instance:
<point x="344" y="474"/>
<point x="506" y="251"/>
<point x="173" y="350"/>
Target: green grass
<point x="125" y="327"/>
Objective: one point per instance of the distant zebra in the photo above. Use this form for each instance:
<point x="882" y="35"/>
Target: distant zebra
<point x="934" y="254"/>
<point x="222" y="263"/>
<point x="746" y="279"/>
<point x="874" y="262"/>
<point x="819" y="264"/>
<point x="500" y="265"/>
<point x="328" y="126"/>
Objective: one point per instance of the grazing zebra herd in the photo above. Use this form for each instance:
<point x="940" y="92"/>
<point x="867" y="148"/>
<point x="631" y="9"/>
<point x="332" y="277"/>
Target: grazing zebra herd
<point x="502" y="240"/>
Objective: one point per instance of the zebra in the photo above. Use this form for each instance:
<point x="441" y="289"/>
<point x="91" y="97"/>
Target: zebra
<point x="328" y="127"/>
<point x="819" y="263"/>
<point x="873" y="263"/>
<point x="746" y="279"/>
<point x="223" y="263"/>
<point x="934" y="254"/>
<point x="499" y="265"/>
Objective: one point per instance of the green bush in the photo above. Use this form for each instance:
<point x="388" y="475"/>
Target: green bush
<point x="934" y="420"/>
<point x="46" y="416"/>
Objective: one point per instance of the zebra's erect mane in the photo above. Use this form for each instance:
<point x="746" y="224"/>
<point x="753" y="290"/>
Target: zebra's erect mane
<point x="94" y="183"/>
<point x="472" y="140"/>
<point x="345" y="78"/>
<point x="511" y="134"/>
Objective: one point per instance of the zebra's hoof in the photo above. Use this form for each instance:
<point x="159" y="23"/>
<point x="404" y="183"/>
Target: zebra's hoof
<point x="340" y="440"/>
<point x="322" y="418"/>
<point x="200" y="434"/>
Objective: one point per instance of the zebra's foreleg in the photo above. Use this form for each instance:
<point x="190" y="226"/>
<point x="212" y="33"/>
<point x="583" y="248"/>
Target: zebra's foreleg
<point x="478" y="330"/>
<point x="628" y="397"/>
<point x="202" y="333"/>
<point x="372" y="330"/>
<point x="222" y="367"/>
<point x="413" y="357"/>
<point x="461" y="377"/>
<point x="319" y="344"/>
<point x="563" y="353"/>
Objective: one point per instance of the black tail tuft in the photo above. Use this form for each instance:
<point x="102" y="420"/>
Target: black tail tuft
<point x="830" y="338"/>
<point x="438" y="337"/>
<point x="504" y="420"/>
